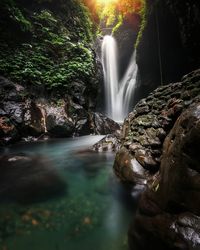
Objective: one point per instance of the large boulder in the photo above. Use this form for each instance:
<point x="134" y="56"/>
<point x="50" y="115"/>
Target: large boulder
<point x="34" y="118"/>
<point x="104" y="125"/>
<point x="58" y="124"/>
<point x="169" y="214"/>
<point x="146" y="128"/>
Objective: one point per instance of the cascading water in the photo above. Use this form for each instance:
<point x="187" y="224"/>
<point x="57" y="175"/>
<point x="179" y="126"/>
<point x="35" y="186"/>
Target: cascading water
<point x="109" y="59"/>
<point x="118" y="93"/>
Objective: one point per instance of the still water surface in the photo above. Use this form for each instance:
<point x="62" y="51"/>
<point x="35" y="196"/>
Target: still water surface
<point x="92" y="213"/>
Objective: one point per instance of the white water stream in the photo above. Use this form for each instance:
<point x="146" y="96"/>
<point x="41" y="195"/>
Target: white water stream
<point x="118" y="94"/>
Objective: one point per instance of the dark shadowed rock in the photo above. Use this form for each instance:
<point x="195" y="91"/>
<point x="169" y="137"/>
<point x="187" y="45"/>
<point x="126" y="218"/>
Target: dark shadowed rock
<point x="179" y="44"/>
<point x="77" y="92"/>
<point x="57" y="122"/>
<point x="169" y="214"/>
<point x="128" y="169"/>
<point x="104" y="125"/>
<point x="8" y="132"/>
<point x="33" y="119"/>
<point x="79" y="116"/>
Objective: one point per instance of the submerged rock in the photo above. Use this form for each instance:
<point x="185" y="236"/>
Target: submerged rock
<point x="28" y="178"/>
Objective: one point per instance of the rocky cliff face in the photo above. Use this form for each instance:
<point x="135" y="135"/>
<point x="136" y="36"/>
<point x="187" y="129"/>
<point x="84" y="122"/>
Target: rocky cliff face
<point x="159" y="150"/>
<point x="171" y="30"/>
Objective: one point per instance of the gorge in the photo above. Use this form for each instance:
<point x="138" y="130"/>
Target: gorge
<point x="99" y="124"/>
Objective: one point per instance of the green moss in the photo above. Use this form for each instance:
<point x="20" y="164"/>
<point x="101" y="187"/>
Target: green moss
<point x="143" y="14"/>
<point x="118" y="25"/>
<point x="57" y="49"/>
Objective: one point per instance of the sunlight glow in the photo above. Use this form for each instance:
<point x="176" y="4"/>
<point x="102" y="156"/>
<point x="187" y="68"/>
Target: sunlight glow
<point x="104" y="2"/>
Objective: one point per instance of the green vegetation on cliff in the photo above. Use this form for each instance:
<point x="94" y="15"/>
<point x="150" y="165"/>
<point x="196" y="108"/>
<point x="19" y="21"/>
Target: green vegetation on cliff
<point x="46" y="42"/>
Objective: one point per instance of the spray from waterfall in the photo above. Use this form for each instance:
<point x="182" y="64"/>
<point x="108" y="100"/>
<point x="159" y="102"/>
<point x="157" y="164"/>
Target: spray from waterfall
<point x="118" y="94"/>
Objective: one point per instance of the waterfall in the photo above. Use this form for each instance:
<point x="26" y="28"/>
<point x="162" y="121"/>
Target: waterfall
<point x="118" y="94"/>
<point x="110" y="70"/>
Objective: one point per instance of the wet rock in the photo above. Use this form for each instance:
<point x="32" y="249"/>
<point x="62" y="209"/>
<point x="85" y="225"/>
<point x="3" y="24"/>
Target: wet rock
<point x="154" y="142"/>
<point x="79" y="116"/>
<point x="33" y="119"/>
<point x="128" y="169"/>
<point x="57" y="122"/>
<point x="8" y="132"/>
<point x="31" y="115"/>
<point x="77" y="92"/>
<point x="134" y="146"/>
<point x="147" y="131"/>
<point x="28" y="178"/>
<point x="161" y="134"/>
<point x="108" y="143"/>
<point x="29" y="139"/>
<point x="142" y="110"/>
<point x="14" y="111"/>
<point x="145" y="120"/>
<point x="144" y="157"/>
<point x="175" y="191"/>
<point x="104" y="125"/>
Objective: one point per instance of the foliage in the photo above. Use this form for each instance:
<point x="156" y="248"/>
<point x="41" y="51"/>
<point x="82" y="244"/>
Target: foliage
<point x="15" y="14"/>
<point x="143" y="14"/>
<point x="113" y="13"/>
<point x="57" y="50"/>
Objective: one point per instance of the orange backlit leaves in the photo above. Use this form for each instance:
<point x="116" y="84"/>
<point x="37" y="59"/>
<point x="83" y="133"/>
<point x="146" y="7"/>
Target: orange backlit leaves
<point x="109" y="10"/>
